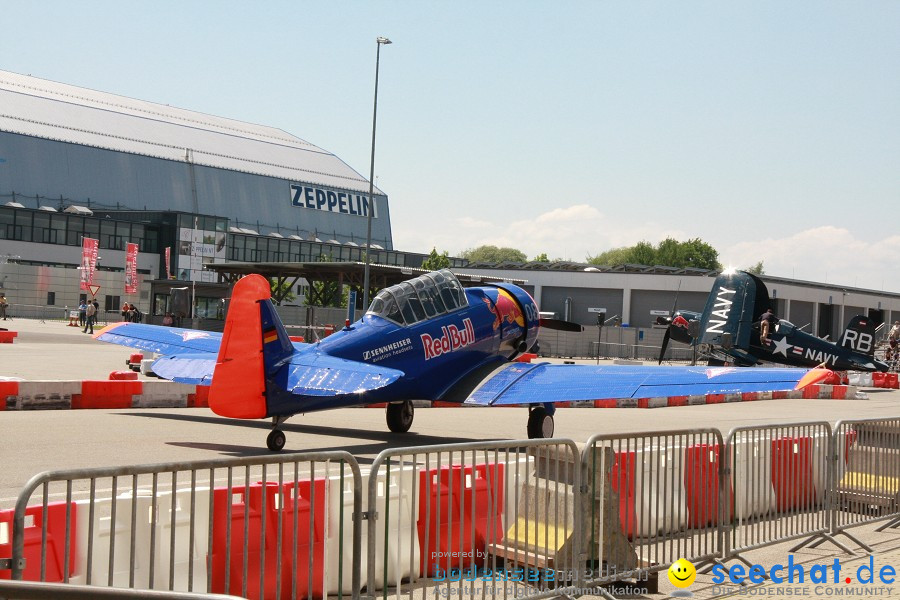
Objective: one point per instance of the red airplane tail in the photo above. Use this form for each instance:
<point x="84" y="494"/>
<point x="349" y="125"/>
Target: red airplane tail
<point x="253" y="340"/>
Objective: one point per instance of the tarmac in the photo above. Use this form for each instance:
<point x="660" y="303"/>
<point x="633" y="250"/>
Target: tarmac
<point x="35" y="441"/>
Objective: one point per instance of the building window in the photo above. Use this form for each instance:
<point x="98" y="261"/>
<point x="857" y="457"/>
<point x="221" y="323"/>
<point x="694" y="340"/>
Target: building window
<point x="112" y="303"/>
<point x="51" y="298"/>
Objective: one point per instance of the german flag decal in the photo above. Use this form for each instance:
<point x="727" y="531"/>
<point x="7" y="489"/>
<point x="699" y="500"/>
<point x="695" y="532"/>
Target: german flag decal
<point x="270" y="335"/>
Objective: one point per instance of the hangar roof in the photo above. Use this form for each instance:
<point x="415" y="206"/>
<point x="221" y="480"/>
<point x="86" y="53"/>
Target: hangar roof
<point x="57" y="111"/>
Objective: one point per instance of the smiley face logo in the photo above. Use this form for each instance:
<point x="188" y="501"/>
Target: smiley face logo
<point x="682" y="573"/>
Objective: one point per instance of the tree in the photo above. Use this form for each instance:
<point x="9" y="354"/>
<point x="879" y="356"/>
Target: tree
<point x="493" y="254"/>
<point x="283" y="291"/>
<point x="542" y="257"/>
<point x="643" y="253"/>
<point x="327" y="293"/>
<point x="698" y="254"/>
<point x="610" y="258"/>
<point x="670" y="253"/>
<point x="757" y="269"/>
<point x="436" y="261"/>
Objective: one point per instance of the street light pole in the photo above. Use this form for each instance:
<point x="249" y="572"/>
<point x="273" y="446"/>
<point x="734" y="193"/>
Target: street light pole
<point x="378" y="43"/>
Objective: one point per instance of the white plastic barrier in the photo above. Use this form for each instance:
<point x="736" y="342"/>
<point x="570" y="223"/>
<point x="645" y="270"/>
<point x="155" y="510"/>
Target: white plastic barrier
<point x="754" y="494"/>
<point x="661" y="503"/>
<point x="144" y="527"/>
<point x="860" y="379"/>
<point x="47" y="394"/>
<point x="403" y="546"/>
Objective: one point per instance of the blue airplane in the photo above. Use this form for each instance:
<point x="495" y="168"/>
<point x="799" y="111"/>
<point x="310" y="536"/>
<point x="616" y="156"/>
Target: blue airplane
<point x="424" y="339"/>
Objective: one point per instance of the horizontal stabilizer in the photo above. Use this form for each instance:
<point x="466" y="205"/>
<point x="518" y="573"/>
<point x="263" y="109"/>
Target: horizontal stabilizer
<point x="186" y="368"/>
<point x="539" y="383"/>
<point x="314" y="373"/>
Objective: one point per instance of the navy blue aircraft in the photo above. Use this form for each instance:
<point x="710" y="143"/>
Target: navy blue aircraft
<point x="425" y="339"/>
<point x="729" y="329"/>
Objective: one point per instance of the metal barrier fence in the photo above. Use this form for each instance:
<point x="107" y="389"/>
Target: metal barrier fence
<point x="521" y="519"/>
<point x="499" y="519"/>
<point x="254" y="526"/>
<point x="866" y="475"/>
<point x="34" y="311"/>
<point x="780" y="481"/>
<point x="654" y="498"/>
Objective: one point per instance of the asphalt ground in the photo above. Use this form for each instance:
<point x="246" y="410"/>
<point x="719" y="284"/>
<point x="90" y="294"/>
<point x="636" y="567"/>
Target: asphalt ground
<point x="36" y="441"/>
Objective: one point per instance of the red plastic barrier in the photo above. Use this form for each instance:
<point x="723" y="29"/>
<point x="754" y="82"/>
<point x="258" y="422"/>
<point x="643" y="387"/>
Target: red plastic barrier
<point x="891" y="381"/>
<point x="106" y="394"/>
<point x="701" y="484"/>
<point x="526" y="357"/>
<point x="248" y="504"/>
<point x="7" y="388"/>
<point x="296" y="338"/>
<point x="56" y="541"/>
<point x="135" y="358"/>
<point x="792" y="475"/>
<point x="878" y="379"/>
<point x="608" y="403"/>
<point x="123" y="376"/>
<point x="623" y="480"/>
<point x="677" y="401"/>
<point x="7" y="337"/>
<point x="811" y="392"/>
<point x="715" y="398"/>
<point x="200" y="398"/>
<point x="452" y="510"/>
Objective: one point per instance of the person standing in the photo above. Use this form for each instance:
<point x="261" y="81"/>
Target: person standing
<point x="765" y="325"/>
<point x="82" y="313"/>
<point x="3" y="306"/>
<point x="893" y="338"/>
<point x="90" y="313"/>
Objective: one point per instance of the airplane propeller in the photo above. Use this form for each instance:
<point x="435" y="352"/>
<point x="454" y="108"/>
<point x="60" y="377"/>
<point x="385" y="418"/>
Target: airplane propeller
<point x="667" y="321"/>
<point x="560" y="325"/>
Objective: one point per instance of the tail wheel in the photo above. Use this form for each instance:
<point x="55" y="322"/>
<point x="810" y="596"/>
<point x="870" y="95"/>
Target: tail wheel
<point x="540" y="424"/>
<point x="400" y="416"/>
<point x="276" y="440"/>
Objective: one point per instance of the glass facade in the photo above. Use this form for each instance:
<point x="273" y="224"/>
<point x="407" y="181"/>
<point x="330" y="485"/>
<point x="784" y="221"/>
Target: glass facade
<point x="44" y="227"/>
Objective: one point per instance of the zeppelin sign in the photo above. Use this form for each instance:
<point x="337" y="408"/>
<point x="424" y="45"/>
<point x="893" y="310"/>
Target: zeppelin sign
<point x="329" y="200"/>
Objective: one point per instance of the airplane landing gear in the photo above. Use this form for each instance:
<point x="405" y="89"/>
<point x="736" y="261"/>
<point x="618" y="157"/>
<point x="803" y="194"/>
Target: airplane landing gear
<point x="540" y="423"/>
<point x="400" y="416"/>
<point x="276" y="440"/>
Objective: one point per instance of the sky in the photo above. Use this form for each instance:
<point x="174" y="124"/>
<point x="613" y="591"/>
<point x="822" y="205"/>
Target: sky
<point x="768" y="129"/>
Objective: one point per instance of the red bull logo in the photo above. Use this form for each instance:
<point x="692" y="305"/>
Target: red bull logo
<point x="451" y="340"/>
<point x="506" y="309"/>
<point x="680" y="321"/>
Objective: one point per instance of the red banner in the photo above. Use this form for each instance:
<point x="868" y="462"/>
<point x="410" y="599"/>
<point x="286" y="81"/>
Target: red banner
<point x="168" y="262"/>
<point x="131" y="282"/>
<point x="89" y="250"/>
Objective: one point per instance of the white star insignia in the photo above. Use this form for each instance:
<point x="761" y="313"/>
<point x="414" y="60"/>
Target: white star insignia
<point x="781" y="346"/>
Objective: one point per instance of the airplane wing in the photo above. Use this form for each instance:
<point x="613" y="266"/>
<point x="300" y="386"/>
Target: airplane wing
<point x="170" y="341"/>
<point x="537" y="383"/>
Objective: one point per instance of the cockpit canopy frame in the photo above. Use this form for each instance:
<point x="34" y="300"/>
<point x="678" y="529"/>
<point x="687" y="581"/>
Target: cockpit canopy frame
<point x="420" y="299"/>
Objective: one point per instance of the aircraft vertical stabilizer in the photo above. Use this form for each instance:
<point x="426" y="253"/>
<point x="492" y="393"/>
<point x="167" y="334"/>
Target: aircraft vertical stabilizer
<point x="239" y="384"/>
<point x="731" y="310"/>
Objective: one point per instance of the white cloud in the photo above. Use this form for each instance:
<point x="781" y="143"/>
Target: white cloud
<point x="825" y="254"/>
<point x="572" y="232"/>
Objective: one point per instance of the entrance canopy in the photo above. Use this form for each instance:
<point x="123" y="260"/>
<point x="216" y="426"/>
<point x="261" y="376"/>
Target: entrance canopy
<point x="344" y="273"/>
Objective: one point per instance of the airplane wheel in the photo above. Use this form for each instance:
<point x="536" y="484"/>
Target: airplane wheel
<point x="276" y="440"/>
<point x="540" y="424"/>
<point x="400" y="416"/>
